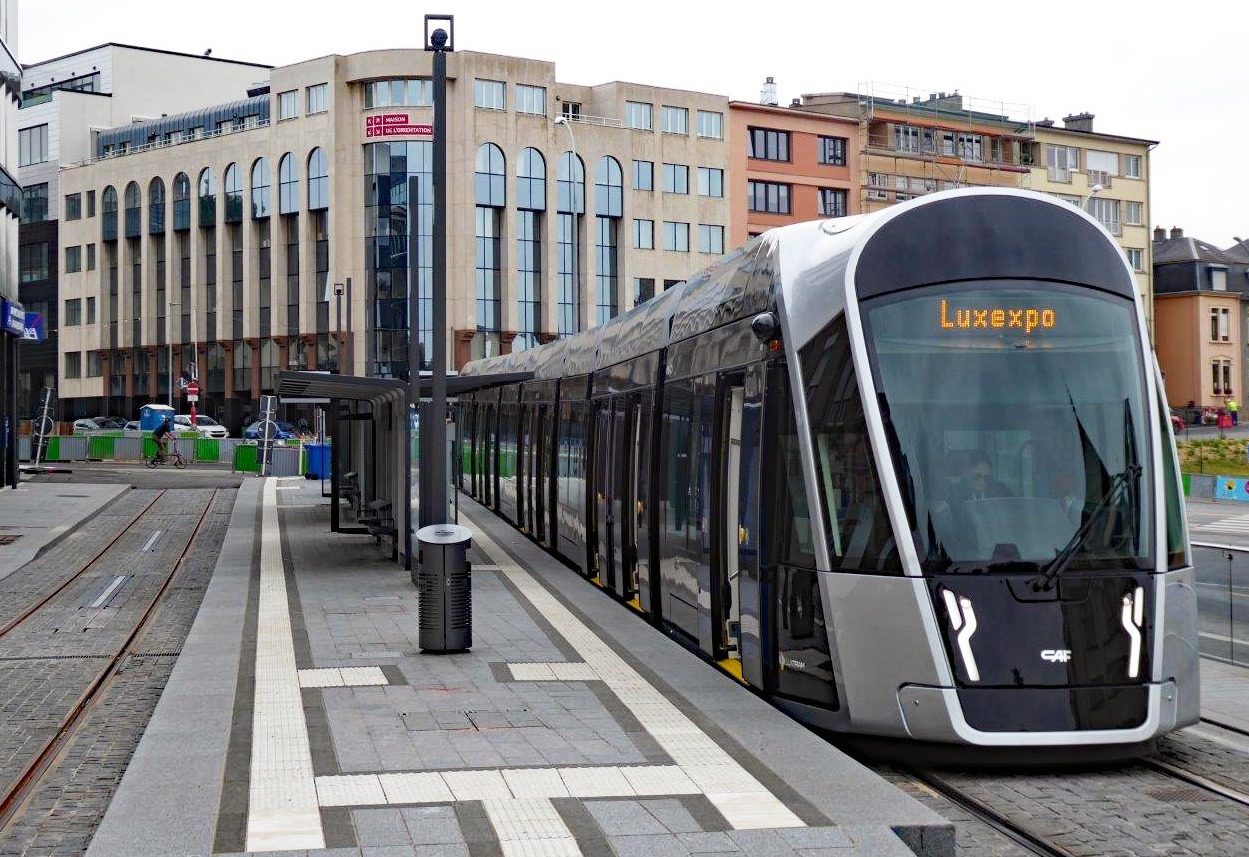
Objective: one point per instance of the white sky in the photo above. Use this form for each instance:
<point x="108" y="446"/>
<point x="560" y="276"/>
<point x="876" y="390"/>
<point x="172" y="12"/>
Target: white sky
<point x="1159" y="71"/>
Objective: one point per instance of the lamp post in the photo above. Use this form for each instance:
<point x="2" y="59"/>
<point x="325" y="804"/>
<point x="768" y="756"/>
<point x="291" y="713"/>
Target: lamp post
<point x="434" y="436"/>
<point x="169" y="341"/>
<point x="1093" y="191"/>
<point x="338" y="327"/>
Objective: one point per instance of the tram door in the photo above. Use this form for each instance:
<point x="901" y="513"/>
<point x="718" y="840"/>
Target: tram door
<point x="730" y="533"/>
<point x="604" y="489"/>
<point x="540" y="469"/>
<point x="623" y="528"/>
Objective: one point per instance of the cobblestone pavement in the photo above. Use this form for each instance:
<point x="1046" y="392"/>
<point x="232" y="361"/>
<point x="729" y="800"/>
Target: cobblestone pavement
<point x="61" y="815"/>
<point x="972" y="837"/>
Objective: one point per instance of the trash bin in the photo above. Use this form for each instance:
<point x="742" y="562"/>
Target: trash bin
<point x="318" y="460"/>
<point x="444" y="588"/>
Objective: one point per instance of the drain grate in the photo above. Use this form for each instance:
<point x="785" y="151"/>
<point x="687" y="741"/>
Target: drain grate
<point x="1180" y="795"/>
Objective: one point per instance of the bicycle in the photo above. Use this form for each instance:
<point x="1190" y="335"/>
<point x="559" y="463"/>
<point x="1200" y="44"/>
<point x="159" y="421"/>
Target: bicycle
<point x="173" y="456"/>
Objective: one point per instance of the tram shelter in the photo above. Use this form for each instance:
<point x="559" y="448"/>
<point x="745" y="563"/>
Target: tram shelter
<point x="374" y="453"/>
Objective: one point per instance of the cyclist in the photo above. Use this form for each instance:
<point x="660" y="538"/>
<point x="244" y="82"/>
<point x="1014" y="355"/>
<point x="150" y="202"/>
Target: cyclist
<point x="161" y="436"/>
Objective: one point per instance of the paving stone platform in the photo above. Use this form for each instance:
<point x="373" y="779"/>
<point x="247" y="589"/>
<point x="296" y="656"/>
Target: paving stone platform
<point x="303" y="718"/>
<point x="36" y="515"/>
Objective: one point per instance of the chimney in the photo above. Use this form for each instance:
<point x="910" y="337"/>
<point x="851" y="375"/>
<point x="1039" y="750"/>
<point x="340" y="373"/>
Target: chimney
<point x="1176" y="232"/>
<point x="1160" y="234"/>
<point x="1079" y="122"/>
<point x="795" y="102"/>
<point x="768" y="95"/>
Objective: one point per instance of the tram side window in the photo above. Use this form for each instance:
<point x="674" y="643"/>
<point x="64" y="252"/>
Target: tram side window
<point x="859" y="533"/>
<point x="678" y="488"/>
<point x="789" y="532"/>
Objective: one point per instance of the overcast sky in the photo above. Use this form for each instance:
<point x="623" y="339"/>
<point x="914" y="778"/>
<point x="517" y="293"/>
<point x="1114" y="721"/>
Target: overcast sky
<point x="1158" y="71"/>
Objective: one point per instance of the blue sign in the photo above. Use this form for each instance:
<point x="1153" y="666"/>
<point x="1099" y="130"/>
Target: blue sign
<point x="33" y="328"/>
<point x="14" y="318"/>
<point x="1231" y="488"/>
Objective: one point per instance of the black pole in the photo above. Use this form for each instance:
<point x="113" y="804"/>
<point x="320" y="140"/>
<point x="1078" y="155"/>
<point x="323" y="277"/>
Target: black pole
<point x="414" y="354"/>
<point x="338" y="334"/>
<point x="435" y="454"/>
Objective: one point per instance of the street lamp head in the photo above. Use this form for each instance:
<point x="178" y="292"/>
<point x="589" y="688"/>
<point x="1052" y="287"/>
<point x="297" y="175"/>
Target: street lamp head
<point x="440" y="33"/>
<point x="1096" y="189"/>
<point x="438" y="39"/>
<point x="560" y="120"/>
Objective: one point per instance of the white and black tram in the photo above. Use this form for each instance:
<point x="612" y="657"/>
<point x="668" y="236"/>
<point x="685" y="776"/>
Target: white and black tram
<point x="909" y="474"/>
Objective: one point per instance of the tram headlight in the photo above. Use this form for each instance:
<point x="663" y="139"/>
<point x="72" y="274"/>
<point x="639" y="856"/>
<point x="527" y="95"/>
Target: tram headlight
<point x="963" y="620"/>
<point x="1134" y="623"/>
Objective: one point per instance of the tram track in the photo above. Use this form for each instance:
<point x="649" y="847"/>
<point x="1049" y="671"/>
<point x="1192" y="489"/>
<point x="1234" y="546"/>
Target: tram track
<point x="22" y="782"/>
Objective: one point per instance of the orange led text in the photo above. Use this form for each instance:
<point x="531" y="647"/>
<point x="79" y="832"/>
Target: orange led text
<point x="1026" y="319"/>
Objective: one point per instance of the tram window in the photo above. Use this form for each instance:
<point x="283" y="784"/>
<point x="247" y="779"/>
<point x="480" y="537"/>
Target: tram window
<point x="859" y="533"/>
<point x="789" y="535"/>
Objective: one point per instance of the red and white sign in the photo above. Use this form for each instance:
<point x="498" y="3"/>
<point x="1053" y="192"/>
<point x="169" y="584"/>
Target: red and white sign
<point x="395" y="125"/>
<point x="192" y="392"/>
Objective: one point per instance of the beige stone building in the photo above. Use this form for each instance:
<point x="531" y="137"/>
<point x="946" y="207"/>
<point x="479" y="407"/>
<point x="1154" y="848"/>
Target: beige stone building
<point x="222" y="236"/>
<point x="1109" y="176"/>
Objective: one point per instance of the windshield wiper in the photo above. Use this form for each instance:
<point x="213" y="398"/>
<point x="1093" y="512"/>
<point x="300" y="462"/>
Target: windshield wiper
<point x="1056" y="566"/>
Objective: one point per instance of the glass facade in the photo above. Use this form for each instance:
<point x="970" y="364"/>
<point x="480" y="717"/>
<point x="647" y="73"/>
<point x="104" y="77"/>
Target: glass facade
<point x="387" y="168"/>
<point x="491" y="198"/>
<point x="569" y="206"/>
<point x="531" y="205"/>
<point x="609" y="207"/>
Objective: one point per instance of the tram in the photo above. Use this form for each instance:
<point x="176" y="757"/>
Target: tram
<point x="907" y="474"/>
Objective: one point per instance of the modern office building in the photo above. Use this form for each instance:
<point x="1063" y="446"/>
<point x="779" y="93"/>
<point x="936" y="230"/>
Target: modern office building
<point x="12" y="315"/>
<point x="270" y="232"/>
<point x="66" y="102"/>
<point x="789" y="165"/>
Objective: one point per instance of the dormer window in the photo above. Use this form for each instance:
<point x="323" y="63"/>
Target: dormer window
<point x="1218" y="278"/>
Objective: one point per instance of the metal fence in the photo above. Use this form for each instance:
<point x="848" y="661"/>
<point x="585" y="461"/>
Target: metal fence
<point x="135" y="446"/>
<point x="1222" y="581"/>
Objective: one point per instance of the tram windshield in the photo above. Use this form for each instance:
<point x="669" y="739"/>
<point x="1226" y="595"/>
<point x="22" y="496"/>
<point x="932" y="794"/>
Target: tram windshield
<point x="1018" y="425"/>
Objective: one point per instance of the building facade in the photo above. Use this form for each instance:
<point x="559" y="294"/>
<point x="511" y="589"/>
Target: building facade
<point x="789" y="165"/>
<point x="12" y="318"/>
<point x="271" y="232"/>
<point x="1109" y="176"/>
<point x="66" y="103"/>
<point x="1201" y="305"/>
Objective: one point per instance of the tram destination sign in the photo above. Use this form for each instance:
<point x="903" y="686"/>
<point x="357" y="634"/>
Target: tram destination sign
<point x="395" y="125"/>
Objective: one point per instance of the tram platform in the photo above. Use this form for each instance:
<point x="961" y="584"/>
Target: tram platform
<point x="302" y="718"/>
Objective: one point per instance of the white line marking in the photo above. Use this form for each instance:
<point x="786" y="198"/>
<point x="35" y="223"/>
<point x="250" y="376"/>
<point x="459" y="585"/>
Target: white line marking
<point x="152" y="541"/>
<point x="1223" y="639"/>
<point x="283" y="812"/>
<point x="117" y="584"/>
<point x="741" y="799"/>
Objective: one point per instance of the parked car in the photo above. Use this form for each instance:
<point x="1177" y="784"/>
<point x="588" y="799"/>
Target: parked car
<point x="283" y="431"/>
<point x="205" y="426"/>
<point x="86" y="425"/>
<point x="132" y="425"/>
<point x="107" y="422"/>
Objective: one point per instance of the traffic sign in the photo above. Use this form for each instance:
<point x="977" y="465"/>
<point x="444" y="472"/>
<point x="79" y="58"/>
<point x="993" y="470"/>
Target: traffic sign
<point x="192" y="389"/>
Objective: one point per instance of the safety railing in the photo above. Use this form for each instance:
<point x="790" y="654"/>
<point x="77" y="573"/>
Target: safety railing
<point x="1222" y="584"/>
<point x="285" y="459"/>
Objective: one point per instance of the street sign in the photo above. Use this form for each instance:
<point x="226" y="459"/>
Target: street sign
<point x="192" y="391"/>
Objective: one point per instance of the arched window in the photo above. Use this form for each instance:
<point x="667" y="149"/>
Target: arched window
<point x="134" y="211"/>
<point x="234" y="194"/>
<point x="288" y="185"/>
<point x="207" y="199"/>
<point x="608" y="209"/>
<point x="318" y="181"/>
<point x="260" y="189"/>
<point x="491" y="197"/>
<point x="156" y="207"/>
<point x="108" y="214"/>
<point x="181" y="202"/>
<point x="569" y="203"/>
<point x="530" y="205"/>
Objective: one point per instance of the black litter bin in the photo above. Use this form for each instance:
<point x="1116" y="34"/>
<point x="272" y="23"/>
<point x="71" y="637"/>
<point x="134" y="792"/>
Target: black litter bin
<point x="444" y="587"/>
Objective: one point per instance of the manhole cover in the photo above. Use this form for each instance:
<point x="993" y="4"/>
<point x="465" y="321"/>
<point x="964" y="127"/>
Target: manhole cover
<point x="9" y="538"/>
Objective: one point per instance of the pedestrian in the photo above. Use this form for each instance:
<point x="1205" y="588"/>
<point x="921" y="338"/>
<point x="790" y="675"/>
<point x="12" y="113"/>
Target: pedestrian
<point x="1235" y="411"/>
